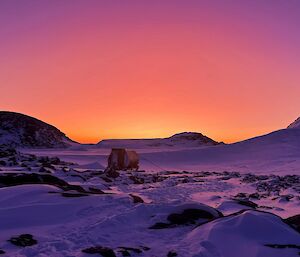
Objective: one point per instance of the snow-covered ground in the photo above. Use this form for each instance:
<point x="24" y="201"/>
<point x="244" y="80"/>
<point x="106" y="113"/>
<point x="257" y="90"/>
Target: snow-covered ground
<point x="277" y="152"/>
<point x="175" y="207"/>
<point x="64" y="226"/>
<point x="203" y="201"/>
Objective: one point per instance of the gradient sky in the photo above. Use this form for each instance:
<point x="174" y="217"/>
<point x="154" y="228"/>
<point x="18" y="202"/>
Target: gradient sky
<point x="150" y="68"/>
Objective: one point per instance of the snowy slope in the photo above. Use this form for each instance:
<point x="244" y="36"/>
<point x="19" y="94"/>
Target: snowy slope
<point x="278" y="151"/>
<point x="20" y="130"/>
<point x="295" y="124"/>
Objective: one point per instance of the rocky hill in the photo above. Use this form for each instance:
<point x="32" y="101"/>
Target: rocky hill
<point x="19" y="130"/>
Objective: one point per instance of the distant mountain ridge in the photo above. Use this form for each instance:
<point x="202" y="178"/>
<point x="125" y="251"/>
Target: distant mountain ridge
<point x="20" y="130"/>
<point x="184" y="139"/>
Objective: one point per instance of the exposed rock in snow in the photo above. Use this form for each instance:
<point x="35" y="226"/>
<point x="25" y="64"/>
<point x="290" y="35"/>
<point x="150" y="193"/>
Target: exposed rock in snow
<point x="295" y="124"/>
<point x="23" y="240"/>
<point x="20" y="130"/>
<point x="188" y="214"/>
<point x="294" y="221"/>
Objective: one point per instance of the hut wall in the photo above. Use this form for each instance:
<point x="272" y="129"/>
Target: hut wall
<point x="131" y="160"/>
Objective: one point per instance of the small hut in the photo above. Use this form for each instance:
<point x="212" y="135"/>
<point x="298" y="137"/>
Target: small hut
<point x="122" y="159"/>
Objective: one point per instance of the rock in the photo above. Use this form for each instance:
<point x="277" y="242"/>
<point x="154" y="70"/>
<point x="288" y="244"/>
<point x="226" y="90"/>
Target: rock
<point x="247" y="203"/>
<point x="278" y="183"/>
<point x="172" y="254"/>
<point x="249" y="178"/>
<point x="6" y="151"/>
<point x="161" y="225"/>
<point x="255" y="196"/>
<point x="125" y="252"/>
<point x="241" y="195"/>
<point x="67" y="194"/>
<point x="136" y="199"/>
<point x="112" y="173"/>
<point x="23" y="240"/>
<point x="187" y="217"/>
<point x="104" y="251"/>
<point x="279" y="246"/>
<point x="137" y="180"/>
<point x="294" y="222"/>
<point x="15" y="179"/>
<point x="130" y="249"/>
<point x="95" y="190"/>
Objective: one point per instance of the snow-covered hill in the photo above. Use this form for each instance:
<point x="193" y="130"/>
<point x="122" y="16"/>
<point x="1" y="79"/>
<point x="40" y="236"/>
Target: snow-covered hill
<point x="185" y="139"/>
<point x="20" y="130"/>
<point x="278" y="151"/>
<point x="295" y="124"/>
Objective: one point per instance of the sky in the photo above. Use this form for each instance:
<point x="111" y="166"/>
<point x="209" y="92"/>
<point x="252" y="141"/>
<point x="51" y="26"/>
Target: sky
<point x="99" y="69"/>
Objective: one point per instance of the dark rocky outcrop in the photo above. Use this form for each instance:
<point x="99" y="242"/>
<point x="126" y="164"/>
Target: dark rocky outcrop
<point x="103" y="251"/>
<point x="187" y="217"/>
<point x="136" y="198"/>
<point x="15" y="179"/>
<point x="23" y="240"/>
<point x="126" y="251"/>
<point x="282" y="246"/>
<point x="172" y="254"/>
<point x="67" y="194"/>
<point x="294" y="222"/>
<point x="247" y="203"/>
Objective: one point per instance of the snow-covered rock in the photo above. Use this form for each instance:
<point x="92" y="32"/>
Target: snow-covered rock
<point x="248" y="234"/>
<point x="20" y="130"/>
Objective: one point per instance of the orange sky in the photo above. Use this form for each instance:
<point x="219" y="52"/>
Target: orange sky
<point x="134" y="69"/>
